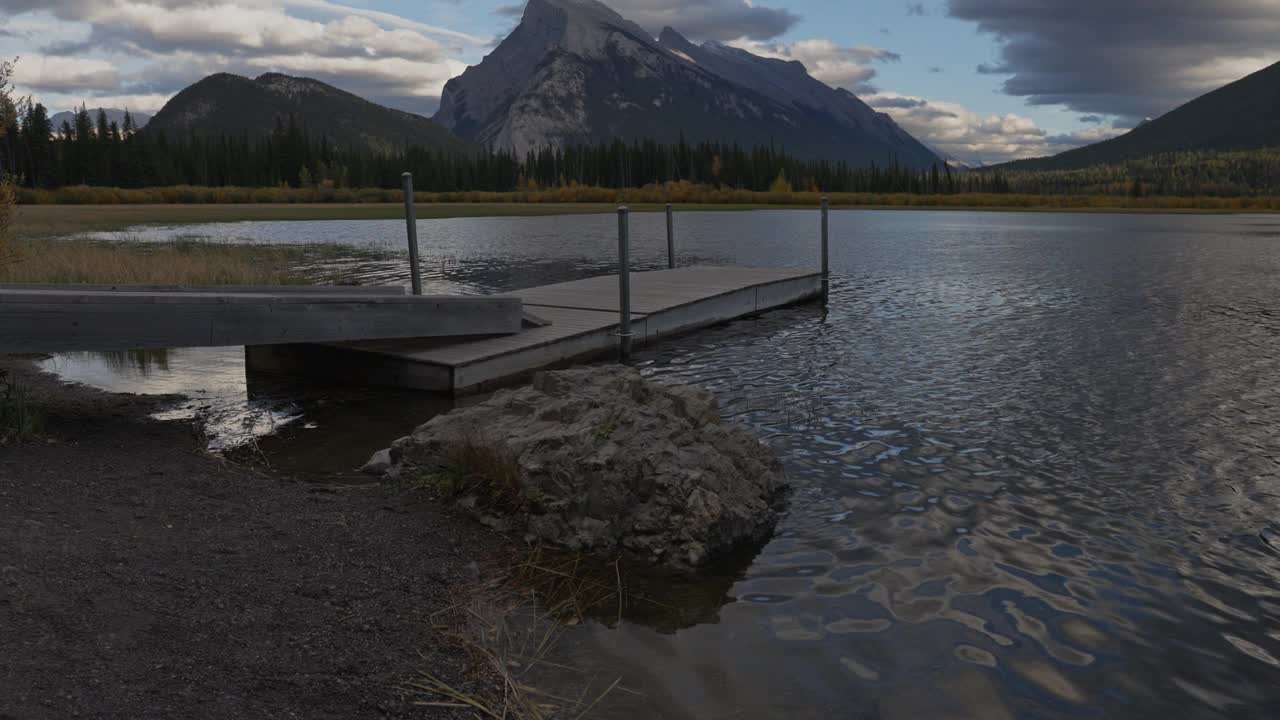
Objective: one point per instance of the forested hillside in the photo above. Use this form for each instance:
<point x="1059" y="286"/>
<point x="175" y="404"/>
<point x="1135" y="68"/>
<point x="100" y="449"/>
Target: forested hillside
<point x="96" y="152"/>
<point x="1243" y="115"/>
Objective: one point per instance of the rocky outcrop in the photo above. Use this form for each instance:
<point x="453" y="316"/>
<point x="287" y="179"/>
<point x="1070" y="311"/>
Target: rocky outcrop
<point x="601" y="460"/>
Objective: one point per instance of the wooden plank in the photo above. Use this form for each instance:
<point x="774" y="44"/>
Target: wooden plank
<point x="58" y="321"/>
<point x="564" y="324"/>
<point x="656" y="290"/>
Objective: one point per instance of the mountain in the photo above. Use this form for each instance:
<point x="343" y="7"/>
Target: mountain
<point x="113" y="115"/>
<point x="234" y="105"/>
<point x="1239" y="116"/>
<point x="575" y="71"/>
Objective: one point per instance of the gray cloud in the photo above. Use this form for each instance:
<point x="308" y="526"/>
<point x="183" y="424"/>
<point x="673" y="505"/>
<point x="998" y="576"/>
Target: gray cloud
<point x="167" y="44"/>
<point x="916" y="9"/>
<point x="840" y="66"/>
<point x="708" y="19"/>
<point x="1091" y="119"/>
<point x="900" y="102"/>
<point x="1128" y="58"/>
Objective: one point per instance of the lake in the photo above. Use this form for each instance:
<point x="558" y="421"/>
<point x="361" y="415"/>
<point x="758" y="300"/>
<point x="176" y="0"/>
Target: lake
<point x="1035" y="456"/>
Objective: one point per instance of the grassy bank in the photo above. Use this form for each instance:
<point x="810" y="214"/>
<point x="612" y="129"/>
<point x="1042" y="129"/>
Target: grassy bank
<point x="179" y="262"/>
<point x="577" y="195"/>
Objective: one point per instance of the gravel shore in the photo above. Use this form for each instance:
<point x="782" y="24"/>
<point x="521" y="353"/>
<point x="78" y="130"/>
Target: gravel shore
<point x="143" y="578"/>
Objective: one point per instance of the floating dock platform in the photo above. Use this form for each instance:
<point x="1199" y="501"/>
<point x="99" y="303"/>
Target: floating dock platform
<point x="566" y="322"/>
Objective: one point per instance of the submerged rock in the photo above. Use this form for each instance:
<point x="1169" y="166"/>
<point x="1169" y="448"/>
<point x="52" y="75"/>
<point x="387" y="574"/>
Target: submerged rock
<point x="602" y="460"/>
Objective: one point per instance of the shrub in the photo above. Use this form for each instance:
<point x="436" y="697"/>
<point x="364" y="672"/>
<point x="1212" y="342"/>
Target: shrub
<point x="474" y="464"/>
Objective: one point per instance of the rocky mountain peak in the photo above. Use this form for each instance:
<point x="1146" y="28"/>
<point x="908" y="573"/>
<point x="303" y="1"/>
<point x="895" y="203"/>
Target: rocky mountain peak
<point x="575" y="71"/>
<point x="582" y="27"/>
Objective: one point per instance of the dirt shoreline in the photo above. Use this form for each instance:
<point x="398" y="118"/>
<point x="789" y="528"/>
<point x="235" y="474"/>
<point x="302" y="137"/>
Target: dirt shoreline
<point x="143" y="578"/>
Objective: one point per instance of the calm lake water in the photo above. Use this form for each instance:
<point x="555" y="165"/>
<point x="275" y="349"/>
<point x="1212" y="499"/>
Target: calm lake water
<point x="1035" y="458"/>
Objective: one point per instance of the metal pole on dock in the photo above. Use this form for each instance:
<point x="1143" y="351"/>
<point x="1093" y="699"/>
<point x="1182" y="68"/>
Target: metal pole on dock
<point x="624" y="283"/>
<point x="671" y="239"/>
<point x="411" y="225"/>
<point x="826" y="265"/>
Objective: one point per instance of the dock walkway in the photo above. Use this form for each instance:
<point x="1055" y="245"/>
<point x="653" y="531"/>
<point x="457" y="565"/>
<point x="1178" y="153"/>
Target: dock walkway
<point x="580" y="321"/>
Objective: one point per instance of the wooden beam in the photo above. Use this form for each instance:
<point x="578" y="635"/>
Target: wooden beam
<point x="61" y="320"/>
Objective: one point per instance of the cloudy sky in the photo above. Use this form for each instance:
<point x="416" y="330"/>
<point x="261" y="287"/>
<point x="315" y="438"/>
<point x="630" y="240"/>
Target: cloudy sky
<point x="982" y="80"/>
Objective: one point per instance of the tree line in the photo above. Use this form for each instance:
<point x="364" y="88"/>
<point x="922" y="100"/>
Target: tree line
<point x="95" y="151"/>
<point x="1185" y="173"/>
<point x="92" y="150"/>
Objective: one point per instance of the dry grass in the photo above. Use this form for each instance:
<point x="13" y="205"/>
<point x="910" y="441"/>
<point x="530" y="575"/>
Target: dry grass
<point x="683" y="193"/>
<point x="510" y="629"/>
<point x="8" y="214"/>
<point x="477" y="465"/>
<point x="173" y="263"/>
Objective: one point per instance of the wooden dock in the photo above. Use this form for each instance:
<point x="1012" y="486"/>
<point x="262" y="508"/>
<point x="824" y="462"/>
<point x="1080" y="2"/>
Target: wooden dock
<point x="579" y="321"/>
<point x="52" y="318"/>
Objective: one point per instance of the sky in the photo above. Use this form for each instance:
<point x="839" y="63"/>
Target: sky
<point x="980" y="80"/>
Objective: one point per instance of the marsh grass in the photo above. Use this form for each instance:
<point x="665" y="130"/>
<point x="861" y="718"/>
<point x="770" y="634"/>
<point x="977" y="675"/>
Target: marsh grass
<point x="21" y="420"/>
<point x="179" y="262"/>
<point x="511" y="629"/>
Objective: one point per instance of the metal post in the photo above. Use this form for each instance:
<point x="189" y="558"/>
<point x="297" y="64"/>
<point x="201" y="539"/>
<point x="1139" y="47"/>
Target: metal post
<point x="624" y="284"/>
<point x="671" y="240"/>
<point x="826" y="266"/>
<point x="411" y="225"/>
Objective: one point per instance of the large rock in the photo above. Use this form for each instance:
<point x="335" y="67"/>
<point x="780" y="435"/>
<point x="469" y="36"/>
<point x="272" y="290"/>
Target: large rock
<point x="602" y="460"/>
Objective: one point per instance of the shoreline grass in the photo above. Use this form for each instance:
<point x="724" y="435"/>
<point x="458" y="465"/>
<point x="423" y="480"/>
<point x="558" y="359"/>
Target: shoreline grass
<point x="180" y="262"/>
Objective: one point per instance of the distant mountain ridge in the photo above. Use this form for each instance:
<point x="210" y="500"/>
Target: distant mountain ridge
<point x="1243" y="115"/>
<point x="115" y="115"/>
<point x="234" y="105"/>
<point x="575" y="72"/>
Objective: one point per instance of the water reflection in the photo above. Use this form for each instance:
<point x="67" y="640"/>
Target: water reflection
<point x="317" y="432"/>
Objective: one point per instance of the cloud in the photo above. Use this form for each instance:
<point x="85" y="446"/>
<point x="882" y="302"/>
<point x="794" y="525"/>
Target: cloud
<point x="898" y="101"/>
<point x="916" y="9"/>
<point x="65" y="74"/>
<point x="167" y="44"/>
<point x="974" y="137"/>
<point x="846" y="66"/>
<point x="1128" y="58"/>
<point x="722" y="20"/>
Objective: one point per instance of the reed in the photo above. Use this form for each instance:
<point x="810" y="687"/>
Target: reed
<point x="180" y="262"/>
<point x="511" y="631"/>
